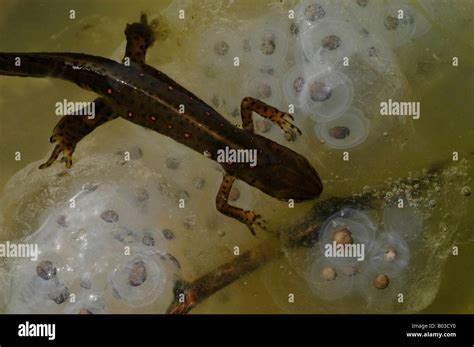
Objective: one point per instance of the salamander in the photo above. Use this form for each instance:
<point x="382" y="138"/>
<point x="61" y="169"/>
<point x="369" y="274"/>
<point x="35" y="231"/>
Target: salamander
<point x="145" y="96"/>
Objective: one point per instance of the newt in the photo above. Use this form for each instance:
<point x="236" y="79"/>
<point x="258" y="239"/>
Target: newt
<point x="145" y="96"/>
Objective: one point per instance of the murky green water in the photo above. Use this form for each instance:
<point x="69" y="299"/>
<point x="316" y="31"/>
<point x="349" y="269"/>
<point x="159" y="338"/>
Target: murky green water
<point x="423" y="72"/>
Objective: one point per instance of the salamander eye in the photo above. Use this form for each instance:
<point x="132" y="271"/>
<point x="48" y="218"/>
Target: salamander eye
<point x="347" y="131"/>
<point x="330" y="42"/>
<point x="326" y="94"/>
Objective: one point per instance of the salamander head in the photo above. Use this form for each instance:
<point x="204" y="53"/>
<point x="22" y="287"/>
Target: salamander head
<point x="283" y="173"/>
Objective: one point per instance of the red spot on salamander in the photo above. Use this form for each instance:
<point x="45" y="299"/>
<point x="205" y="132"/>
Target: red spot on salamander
<point x="130" y="114"/>
<point x="207" y="113"/>
<point x="186" y="135"/>
<point x="153" y="118"/>
<point x="170" y="87"/>
<point x="170" y="126"/>
<point x="109" y="91"/>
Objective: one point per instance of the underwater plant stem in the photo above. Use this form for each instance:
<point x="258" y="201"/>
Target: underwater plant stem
<point x="210" y="283"/>
<point x="303" y="234"/>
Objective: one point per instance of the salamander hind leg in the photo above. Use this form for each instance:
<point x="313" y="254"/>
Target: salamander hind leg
<point x="73" y="128"/>
<point x="249" y="218"/>
<point x="140" y="36"/>
<point x="282" y="119"/>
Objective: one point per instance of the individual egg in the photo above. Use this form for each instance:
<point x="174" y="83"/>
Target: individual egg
<point x="224" y="102"/>
<point x="327" y="280"/>
<point x="347" y="131"/>
<point x="39" y="286"/>
<point x="220" y="46"/>
<point x="342" y="236"/>
<point x="396" y="23"/>
<point x="403" y="221"/>
<point x="329" y="42"/>
<point x="59" y="294"/>
<point x="49" y="268"/>
<point x="376" y="53"/>
<point x="380" y="290"/>
<point x="263" y="87"/>
<point x="140" y="280"/>
<point x="87" y="303"/>
<point x="326" y="95"/>
<point x="46" y="270"/>
<point x="350" y="229"/>
<point x="268" y="45"/>
<point x="310" y="13"/>
<point x="293" y="84"/>
<point x="381" y="281"/>
<point x="390" y="254"/>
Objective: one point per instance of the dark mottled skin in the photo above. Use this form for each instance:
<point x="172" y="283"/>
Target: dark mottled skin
<point x="148" y="97"/>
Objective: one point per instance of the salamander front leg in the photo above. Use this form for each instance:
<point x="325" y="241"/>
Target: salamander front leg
<point x="140" y="36"/>
<point x="249" y="105"/>
<point x="249" y="218"/>
<point x="73" y="128"/>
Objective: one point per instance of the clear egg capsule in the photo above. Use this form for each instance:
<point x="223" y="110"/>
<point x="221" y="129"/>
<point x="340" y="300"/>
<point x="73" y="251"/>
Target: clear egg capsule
<point x="220" y="46"/>
<point x="326" y="95"/>
<point x="347" y="131"/>
<point x="140" y="280"/>
<point x="313" y="12"/>
<point x="390" y="254"/>
<point x="293" y="84"/>
<point x="268" y="45"/>
<point x="397" y="24"/>
<point x="347" y="227"/>
<point x="49" y="270"/>
<point x="380" y="290"/>
<point x="327" y="280"/>
<point x="329" y="42"/>
<point x="264" y="87"/>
